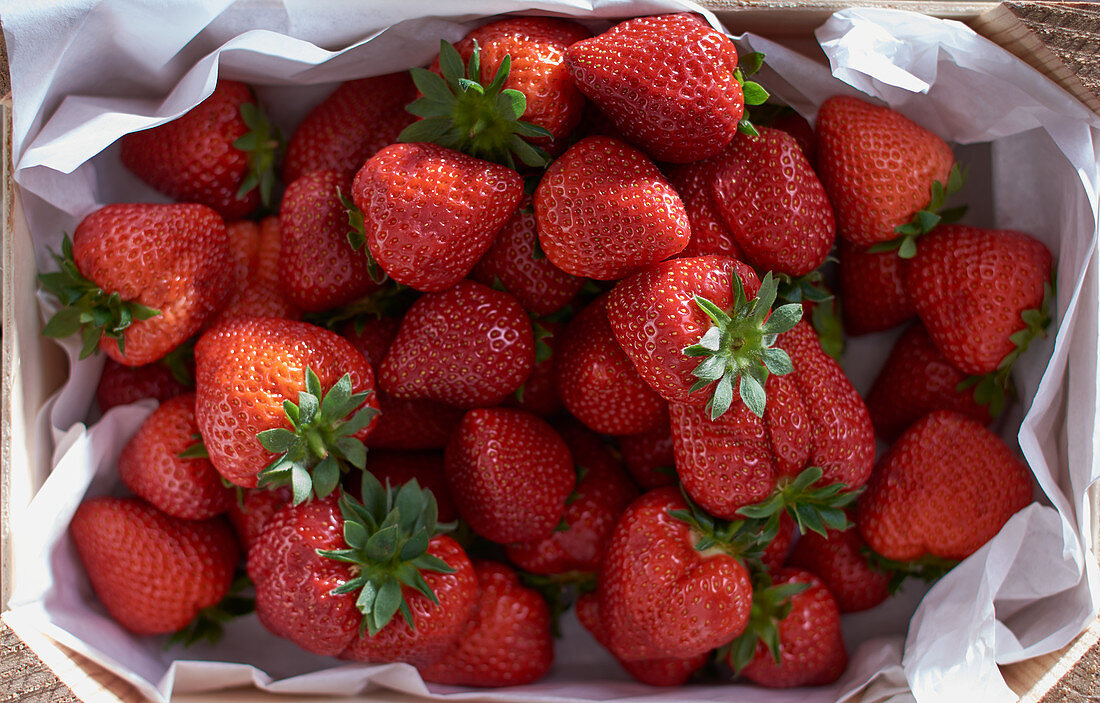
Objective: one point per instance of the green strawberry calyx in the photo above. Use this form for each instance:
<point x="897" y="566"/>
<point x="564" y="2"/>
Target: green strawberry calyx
<point x="928" y="218"/>
<point x="739" y="347"/>
<point x="209" y="623"/>
<point x="87" y="308"/>
<point x="391" y="300"/>
<point x="320" y="446"/>
<point x="815" y="508"/>
<point x="388" y="534"/>
<point x="560" y="591"/>
<point x="262" y="144"/>
<point x="357" y="237"/>
<point x="927" y="568"/>
<point x="745" y="539"/>
<point x="753" y="92"/>
<point x="770" y="605"/>
<point x="994" y="388"/>
<point x="825" y="311"/>
<point x="459" y="112"/>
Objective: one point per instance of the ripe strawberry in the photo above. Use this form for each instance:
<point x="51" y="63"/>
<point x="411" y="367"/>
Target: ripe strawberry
<point x="160" y="464"/>
<point x="506" y="641"/>
<point x="398" y="468"/>
<point x="250" y="514"/>
<point x="320" y="270"/>
<point x="915" y="380"/>
<point x="872" y="289"/>
<point x="372" y="336"/>
<point x="775" y="552"/>
<point x="283" y="402"/>
<point x="602" y="492"/>
<point x="877" y="166"/>
<point x="794" y="636"/>
<point x="516" y="263"/>
<point x="152" y="572"/>
<point x="349" y="126"/>
<point x="709" y="233"/>
<point x="598" y="383"/>
<point x="256" y="252"/>
<point x="220" y="154"/>
<point x="604" y="210"/>
<point x="796" y="125"/>
<point x="539" y="393"/>
<point x="413" y="425"/>
<point x="768" y="195"/>
<point x="122" y="385"/>
<point x="912" y="508"/>
<point x="510" y="474"/>
<point x="838" y="560"/>
<point x="468" y="346"/>
<point x="649" y="457"/>
<point x="429" y="213"/>
<point x="146" y="276"/>
<point x="668" y="82"/>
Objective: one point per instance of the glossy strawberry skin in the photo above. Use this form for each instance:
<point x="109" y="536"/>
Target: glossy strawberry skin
<point x="256" y="253"/>
<point x="597" y="381"/>
<point x="970" y="285"/>
<point x="770" y="198"/>
<point x="172" y="258"/>
<point x="659" y="597"/>
<point x="506" y="641"/>
<point x="350" y="125"/>
<point x="913" y="508"/>
<point x="873" y="293"/>
<point x="469" y="346"/>
<point x="192" y="158"/>
<point x="915" y="380"/>
<point x="515" y="263"/>
<point x="249" y="514"/>
<point x="150" y="465"/>
<point x="413" y="424"/>
<point x="319" y="269"/>
<point x="840" y="564"/>
<point x="604" y="210"/>
<point x="666" y="81"/>
<point x="430" y="213"/>
<point x="372" y="337"/>
<point x="122" y="385"/>
<point x="649" y="457"/>
<point x="709" y="233"/>
<point x="246" y="367"/>
<point x="664" y="294"/>
<point x="509" y="473"/>
<point x="152" y="572"/>
<point x="877" y="167"/>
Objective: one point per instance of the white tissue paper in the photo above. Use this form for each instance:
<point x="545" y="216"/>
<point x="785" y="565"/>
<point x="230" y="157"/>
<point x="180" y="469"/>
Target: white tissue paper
<point x="85" y="73"/>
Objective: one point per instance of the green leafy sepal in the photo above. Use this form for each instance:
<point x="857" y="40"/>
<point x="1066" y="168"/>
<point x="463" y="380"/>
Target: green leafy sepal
<point x="926" y="219"/>
<point x="813" y="508"/>
<point x="262" y="144"/>
<point x="927" y="568"/>
<point x="753" y="92"/>
<point x="209" y="624"/>
<point x="770" y="605"/>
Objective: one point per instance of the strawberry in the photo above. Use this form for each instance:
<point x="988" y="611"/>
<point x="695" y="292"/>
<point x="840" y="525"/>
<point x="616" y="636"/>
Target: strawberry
<point x="349" y="126"/>
<point x="256" y="252"/>
<point x="282" y="402"/>
<point x="669" y="82"/>
<point x="429" y="213"/>
<point x="913" y="509"/>
<point x="598" y="383"/>
<point x="775" y="551"/>
<point x="539" y="393"/>
<point x="709" y="233"/>
<point x="506" y="641"/>
<point x="510" y="474"/>
<point x="319" y="270"/>
<point x="220" y="154"/>
<point x="872" y="288"/>
<point x="649" y="457"/>
<point x="796" y="125"/>
<point x="838" y="560"/>
<point x="139" y="279"/>
<point x="768" y="195"/>
<point x="604" y="210"/>
<point x="250" y="514"/>
<point x="413" y="425"/>
<point x="398" y="468"/>
<point x="878" y="168"/>
<point x="516" y="264"/>
<point x="122" y="385"/>
<point x="602" y="492"/>
<point x="372" y="336"/>
<point x="794" y="636"/>
<point x="468" y="346"/>
<point x="166" y="464"/>
<point x="153" y="573"/>
<point x="915" y="380"/>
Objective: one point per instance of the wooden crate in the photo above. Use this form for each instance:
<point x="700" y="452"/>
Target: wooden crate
<point x="1062" y="40"/>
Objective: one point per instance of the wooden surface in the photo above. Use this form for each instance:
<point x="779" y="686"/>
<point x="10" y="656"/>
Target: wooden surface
<point x="1071" y="34"/>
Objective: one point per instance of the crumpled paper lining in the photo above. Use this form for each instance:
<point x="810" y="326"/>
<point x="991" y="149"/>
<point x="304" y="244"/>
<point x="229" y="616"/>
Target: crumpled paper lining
<point x="1027" y="592"/>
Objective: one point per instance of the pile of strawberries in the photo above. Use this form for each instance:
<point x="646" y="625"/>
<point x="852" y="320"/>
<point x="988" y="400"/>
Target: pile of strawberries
<point x="480" y="368"/>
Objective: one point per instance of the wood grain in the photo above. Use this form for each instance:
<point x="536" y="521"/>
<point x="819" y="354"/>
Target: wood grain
<point x="23" y="676"/>
<point x="1071" y="30"/>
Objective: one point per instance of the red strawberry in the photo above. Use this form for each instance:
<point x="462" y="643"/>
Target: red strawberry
<point x="413" y="425"/>
<point x="122" y="385"/>
<point x="256" y="252"/>
<point x="877" y="167"/>
<point x="151" y="464"/>
<point x="604" y="210"/>
<point x="602" y="493"/>
<point x="839" y="562"/>
<point x="398" y="468"/>
<point x="539" y="393"/>
<point x="468" y="346"/>
<point x="668" y="83"/>
<point x="220" y="154"/>
<point x="507" y="639"/>
<point x="915" y="380"/>
<point x="872" y="290"/>
<point x="805" y="626"/>
<point x="709" y="233"/>
<point x="250" y="514"/>
<point x="649" y="457"/>
<point x="510" y="474"/>
<point x="430" y="213"/>
<point x="769" y="196"/>
<point x="912" y="508"/>
<point x="372" y="336"/>
<point x="796" y="125"/>
<point x="598" y="383"/>
<point x="152" y="572"/>
<point x="776" y="551"/>
<point x="149" y="276"/>
<point x="319" y="269"/>
<point x="248" y="368"/>
<point x="516" y="262"/>
<point x="349" y="126"/>
<point x="977" y="290"/>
